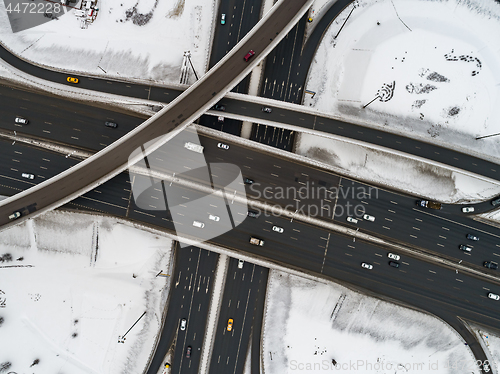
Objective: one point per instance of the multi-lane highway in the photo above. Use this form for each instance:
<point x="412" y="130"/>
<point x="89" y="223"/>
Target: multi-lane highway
<point x="240" y="17"/>
<point x="170" y="120"/>
<point x="244" y="288"/>
<point x="277" y="181"/>
<point x="189" y="299"/>
<point x="315" y="250"/>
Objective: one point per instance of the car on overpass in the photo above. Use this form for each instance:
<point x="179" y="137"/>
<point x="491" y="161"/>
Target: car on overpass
<point x="15" y="215"/>
<point x="188" y="351"/>
<point x="467" y="209"/>
<point x="229" y="324"/>
<point x="223" y="19"/>
<point x="183" y="324"/>
<point x="72" y="80"/>
<point x="249" y="55"/>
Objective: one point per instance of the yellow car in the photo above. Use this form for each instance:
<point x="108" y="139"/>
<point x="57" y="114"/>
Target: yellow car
<point x="72" y="80"/>
<point x="229" y="324"/>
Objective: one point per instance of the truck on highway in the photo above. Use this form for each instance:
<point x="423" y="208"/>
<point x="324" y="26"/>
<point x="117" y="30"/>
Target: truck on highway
<point x="256" y="241"/>
<point x="194" y="147"/>
<point x="429" y="204"/>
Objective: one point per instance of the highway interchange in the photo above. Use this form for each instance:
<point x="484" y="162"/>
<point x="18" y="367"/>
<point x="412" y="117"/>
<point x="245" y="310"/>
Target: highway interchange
<point x="301" y="246"/>
<point x="437" y="289"/>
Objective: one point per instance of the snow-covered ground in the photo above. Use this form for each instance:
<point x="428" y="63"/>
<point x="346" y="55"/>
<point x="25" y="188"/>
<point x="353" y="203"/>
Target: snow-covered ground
<point x="308" y="324"/>
<point x="405" y="174"/>
<point x="435" y="95"/>
<point x="141" y="39"/>
<point x="434" y="65"/>
<point x="71" y="285"/>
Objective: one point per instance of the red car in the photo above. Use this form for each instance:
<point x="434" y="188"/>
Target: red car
<point x="249" y="55"/>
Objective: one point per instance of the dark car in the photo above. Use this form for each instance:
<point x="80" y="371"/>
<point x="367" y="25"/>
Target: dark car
<point x="253" y="213"/>
<point x="490" y="265"/>
<point x="110" y="124"/>
<point x="472" y="237"/>
<point x="188" y="352"/>
<point x="465" y="248"/>
<point x="220" y="107"/>
<point x="496" y="201"/>
<point x="249" y="55"/>
<point x="394" y="264"/>
<point x="248" y="181"/>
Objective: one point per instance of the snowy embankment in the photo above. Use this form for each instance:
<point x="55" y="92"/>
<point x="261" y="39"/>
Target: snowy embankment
<point x="308" y="324"/>
<point x="71" y="285"/>
<point x="140" y="39"/>
<point x="432" y="68"/>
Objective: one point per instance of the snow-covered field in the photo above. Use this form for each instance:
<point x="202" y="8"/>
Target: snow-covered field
<point x="433" y="65"/>
<point x="71" y="284"/>
<point x="406" y="174"/>
<point x="141" y="39"/>
<point x="308" y="324"/>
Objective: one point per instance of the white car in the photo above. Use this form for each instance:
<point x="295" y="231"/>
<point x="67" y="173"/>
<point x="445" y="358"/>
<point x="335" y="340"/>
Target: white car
<point x="183" y="324"/>
<point x="22" y="120"/>
<point x="393" y="256"/>
<point x="369" y="218"/>
<point x="366" y="266"/>
<point x="214" y="218"/>
<point x="493" y="296"/>
<point x="240" y="264"/>
<point x="29" y="176"/>
<point x="15" y="215"/>
<point x="220" y="119"/>
<point x="467" y="209"/>
<point x="352" y="220"/>
<point x="278" y="229"/>
<point x="198" y="224"/>
<point x="223" y="146"/>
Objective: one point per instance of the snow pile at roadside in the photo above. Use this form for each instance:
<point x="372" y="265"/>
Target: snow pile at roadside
<point x="492" y="343"/>
<point x="414" y="177"/>
<point x="433" y="64"/>
<point x="308" y="324"/>
<point x="71" y="285"/>
<point x="130" y="38"/>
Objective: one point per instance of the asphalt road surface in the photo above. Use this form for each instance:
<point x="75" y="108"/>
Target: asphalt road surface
<point x="112" y="159"/>
<point x="239" y="303"/>
<point x="277" y="181"/>
<point x="191" y="290"/>
<point x="240" y="17"/>
<point x="391" y="141"/>
<point x="427" y="286"/>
